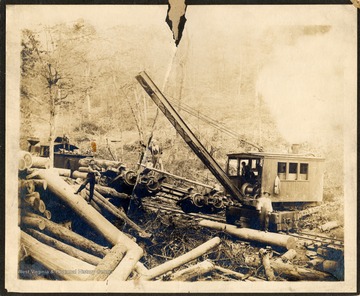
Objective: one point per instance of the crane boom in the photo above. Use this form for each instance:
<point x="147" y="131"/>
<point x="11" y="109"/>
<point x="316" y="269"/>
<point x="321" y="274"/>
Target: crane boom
<point x="188" y="136"/>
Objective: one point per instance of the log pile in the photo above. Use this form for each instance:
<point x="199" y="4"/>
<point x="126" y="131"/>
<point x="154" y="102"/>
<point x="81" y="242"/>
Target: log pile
<point x="102" y="243"/>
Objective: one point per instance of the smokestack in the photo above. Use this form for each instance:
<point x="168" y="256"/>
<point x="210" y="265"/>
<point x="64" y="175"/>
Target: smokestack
<point x="295" y="148"/>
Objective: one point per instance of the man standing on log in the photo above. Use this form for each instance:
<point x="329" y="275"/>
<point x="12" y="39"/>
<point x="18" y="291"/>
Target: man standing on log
<point x="264" y="208"/>
<point x="93" y="170"/>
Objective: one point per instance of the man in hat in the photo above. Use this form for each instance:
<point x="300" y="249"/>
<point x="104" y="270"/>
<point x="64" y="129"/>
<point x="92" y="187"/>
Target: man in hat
<point x="264" y="208"/>
<point x="93" y="170"/>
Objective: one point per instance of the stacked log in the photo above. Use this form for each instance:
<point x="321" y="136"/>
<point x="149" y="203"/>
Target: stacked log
<point x="25" y="160"/>
<point x="41" y="162"/>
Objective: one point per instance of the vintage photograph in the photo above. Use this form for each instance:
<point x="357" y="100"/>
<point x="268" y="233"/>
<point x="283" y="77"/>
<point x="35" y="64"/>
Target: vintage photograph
<point x="173" y="148"/>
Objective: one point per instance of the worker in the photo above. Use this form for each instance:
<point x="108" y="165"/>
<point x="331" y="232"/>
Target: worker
<point x="245" y="172"/>
<point x="264" y="208"/>
<point x="156" y="152"/>
<point x="93" y="170"/>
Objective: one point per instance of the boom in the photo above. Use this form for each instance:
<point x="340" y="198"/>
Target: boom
<point x="188" y="136"/>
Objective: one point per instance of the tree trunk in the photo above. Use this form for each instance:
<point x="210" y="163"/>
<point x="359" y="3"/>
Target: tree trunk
<point x="193" y="254"/>
<point x="26" y="186"/>
<point x="99" y="223"/>
<point x="77" y="174"/>
<point x="103" y="163"/>
<point x="74" y="252"/>
<point x="107" y="265"/>
<point x="56" y="261"/>
<point x="288" y="256"/>
<point x="269" y="238"/>
<point x="192" y="272"/>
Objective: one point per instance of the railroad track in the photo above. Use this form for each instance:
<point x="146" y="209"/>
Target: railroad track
<point x="165" y="202"/>
<point x="315" y="238"/>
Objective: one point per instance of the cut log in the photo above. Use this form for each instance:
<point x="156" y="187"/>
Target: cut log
<point x="289" y="255"/>
<point x="86" y="195"/>
<point x="77" y="174"/>
<point x="107" y="265"/>
<point x="57" y="262"/>
<point x="293" y="272"/>
<point x="336" y="268"/>
<point x="74" y="252"/>
<point x="41" y="162"/>
<point x="72" y="238"/>
<point x="22" y="165"/>
<point x="26" y="186"/>
<point x="329" y="225"/>
<point x="103" y="202"/>
<point x="42" y="207"/>
<point x="40" y="184"/>
<point x="192" y="272"/>
<point x="170" y="265"/>
<point x="27" y="157"/>
<point x="84" y="162"/>
<point x="265" y="257"/>
<point x="47" y="214"/>
<point x="99" y="223"/>
<point x="62" y="172"/>
<point x="111" y="192"/>
<point x="83" y="169"/>
<point x="33" y="199"/>
<point x="269" y="238"/>
<point x="236" y="274"/>
<point x="33" y="222"/>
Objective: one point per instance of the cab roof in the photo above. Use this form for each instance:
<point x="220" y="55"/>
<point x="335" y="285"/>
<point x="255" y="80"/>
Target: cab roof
<point x="274" y="155"/>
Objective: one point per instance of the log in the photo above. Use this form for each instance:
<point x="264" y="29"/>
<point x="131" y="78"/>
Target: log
<point x="83" y="169"/>
<point x="77" y="174"/>
<point x="74" y="252"/>
<point x="22" y="165"/>
<point x="111" y="192"/>
<point x="192" y="272"/>
<point x="59" y="263"/>
<point x="299" y="273"/>
<point x="107" y="265"/>
<point x="84" y="162"/>
<point x="193" y="254"/>
<point x="95" y="220"/>
<point x="236" y="274"/>
<point x="288" y="256"/>
<point x="103" y="202"/>
<point x="42" y="207"/>
<point x="41" y="162"/>
<point x="72" y="238"/>
<point x="40" y="183"/>
<point x="27" y="157"/>
<point x="47" y="214"/>
<point x="33" y="199"/>
<point x="61" y="172"/>
<point x="336" y="268"/>
<point x="269" y="238"/>
<point x="329" y="225"/>
<point x="33" y="222"/>
<point x="93" y="203"/>
<point x="265" y="257"/>
<point x="27" y="186"/>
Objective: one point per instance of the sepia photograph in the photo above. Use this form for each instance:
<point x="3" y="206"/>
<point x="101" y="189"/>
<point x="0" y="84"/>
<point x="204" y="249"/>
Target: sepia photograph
<point x="181" y="148"/>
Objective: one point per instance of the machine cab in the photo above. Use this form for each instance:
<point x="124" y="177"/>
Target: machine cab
<point x="288" y="177"/>
<point x="245" y="171"/>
